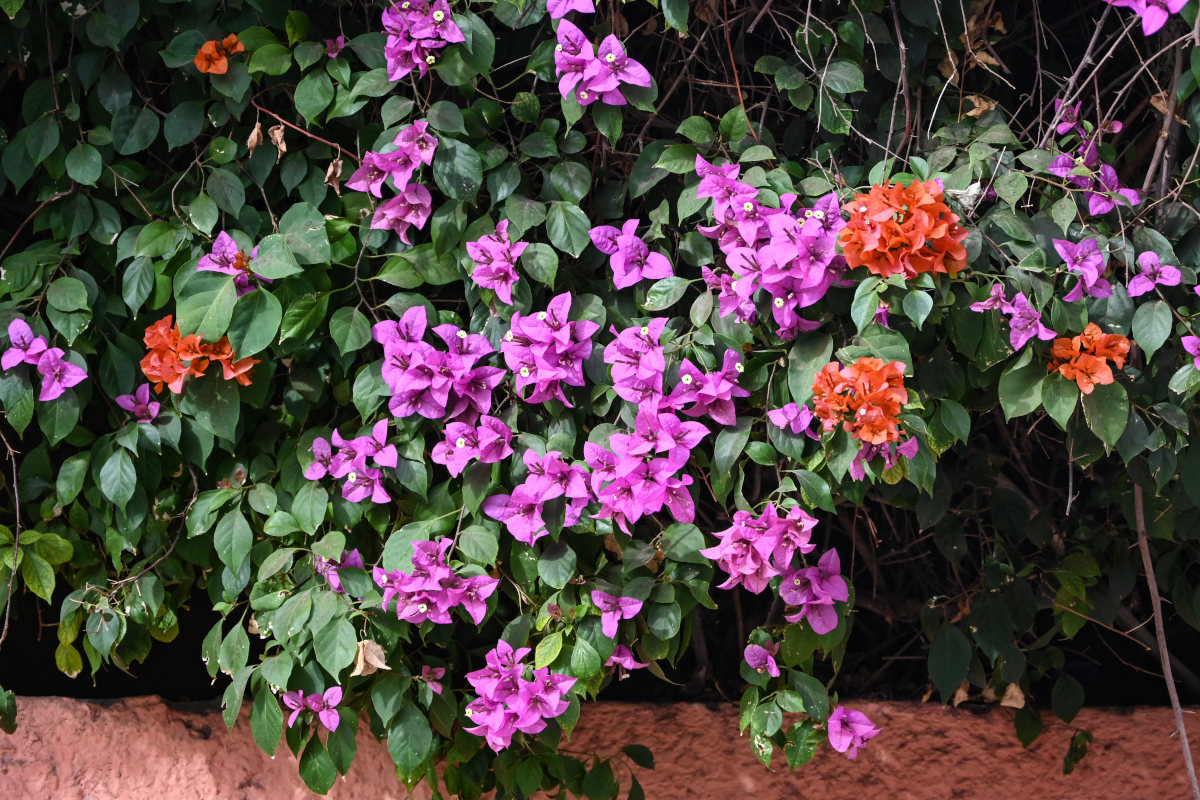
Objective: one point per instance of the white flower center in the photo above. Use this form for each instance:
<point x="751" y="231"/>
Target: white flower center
<point x="461" y="442"/>
<point x="438" y="16"/>
<point x="686" y="380"/>
<point x="747" y="206"/>
<point x="541" y="316"/>
<point x="422" y="608"/>
<point x="807" y="213"/>
<point x="779" y="302"/>
<point x="819" y="214"/>
<point x="610" y="58"/>
<point x="462" y="334"/>
<point x="862" y="209"/>
<point x="739" y="367"/>
<point x="352" y="477"/>
<point x="583" y="95"/>
<point x="645" y="330"/>
<point x="430" y="59"/>
<point x="558" y="47"/>
<point x="524" y="372"/>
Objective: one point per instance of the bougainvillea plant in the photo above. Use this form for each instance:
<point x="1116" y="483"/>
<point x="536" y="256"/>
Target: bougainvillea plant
<point x="622" y="316"/>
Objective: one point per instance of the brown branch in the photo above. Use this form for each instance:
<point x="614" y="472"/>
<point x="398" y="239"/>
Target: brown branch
<point x="1161" y="635"/>
<point x="32" y="214"/>
<point x="341" y="150"/>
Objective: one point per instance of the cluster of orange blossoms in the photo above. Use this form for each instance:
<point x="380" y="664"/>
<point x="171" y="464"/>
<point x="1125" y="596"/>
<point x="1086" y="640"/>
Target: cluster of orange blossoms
<point x="213" y="57"/>
<point x="903" y="230"/>
<point x="1084" y="358"/>
<point x="173" y="357"/>
<point x="865" y="397"/>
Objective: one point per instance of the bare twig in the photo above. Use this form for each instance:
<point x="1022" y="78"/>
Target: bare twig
<point x="12" y="577"/>
<point x="1161" y="635"/>
<point x="32" y="214"/>
<point x="1168" y="121"/>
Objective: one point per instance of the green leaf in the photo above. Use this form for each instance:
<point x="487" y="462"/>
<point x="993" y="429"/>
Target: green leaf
<point x="313" y="95"/>
<point x="70" y="478"/>
<point x="335" y="645"/>
<point x="133" y="130"/>
<point x="676" y="13"/>
<point x="118" y="479"/>
<point x="665" y="293"/>
<point x="541" y="262"/>
<point x="226" y="190"/>
<point x="316" y="767"/>
<point x="410" y="741"/>
<point x="814" y="490"/>
<point x="843" y="76"/>
<point x="67" y="294"/>
<point x="350" y="329"/>
<point x="457" y="170"/>
<point x="1011" y="186"/>
<point x="1059" y="396"/>
<point x="255" y="322"/>
<point x="917" y="305"/>
<point x="1063" y="212"/>
<point x="568" y="228"/>
<point x="1107" y="412"/>
<point x="156" y="240"/>
<point x="38" y="575"/>
<point x="203" y="213"/>
<point x="1020" y="386"/>
<point x="730" y="444"/>
<point x="206" y="306"/>
<point x="266" y="721"/>
<point x="949" y="659"/>
<point x="1152" y="323"/>
<point x="275" y="259"/>
<point x="571" y="180"/>
<point x="303" y="229"/>
<point x="233" y="539"/>
<point x="556" y="566"/>
<point x="812" y="692"/>
<point x="1067" y="697"/>
<point x="807" y="357"/>
<point x="308" y="507"/>
<point x="678" y="159"/>
<point x="303" y="317"/>
<point x="273" y="59"/>
<point x="214" y="403"/>
<point x="697" y="129"/>
<point x="235" y="650"/>
<point x="547" y="650"/>
<point x="84" y="164"/>
<point x="184" y="123"/>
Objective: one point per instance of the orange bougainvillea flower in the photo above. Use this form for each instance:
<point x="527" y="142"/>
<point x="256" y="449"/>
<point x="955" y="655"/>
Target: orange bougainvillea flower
<point x="1084" y="358"/>
<point x="173" y="357"/>
<point x="213" y="56"/>
<point x="865" y="398"/>
<point x="903" y="230"/>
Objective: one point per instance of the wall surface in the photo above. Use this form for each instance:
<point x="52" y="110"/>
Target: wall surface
<point x="141" y="749"/>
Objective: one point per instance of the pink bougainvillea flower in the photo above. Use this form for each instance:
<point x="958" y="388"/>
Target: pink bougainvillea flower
<point x="995" y="299"/>
<point x="613" y="67"/>
<point x="334" y="46"/>
<point x="496" y="258"/>
<point x="410" y="208"/>
<point x="1085" y="260"/>
<point x="1068" y="116"/>
<point x="139" y="404"/>
<point x="613" y="610"/>
<point x="622" y="660"/>
<point x="849" y="730"/>
<point x="323" y="705"/>
<point x="1154" y="13"/>
<point x="1154" y="273"/>
<point x="57" y="375"/>
<point x="294" y="701"/>
<point x="432" y="676"/>
<point x="560" y="8"/>
<point x="1192" y="345"/>
<point x="1025" y="323"/>
<point x="762" y="659"/>
<point x="795" y="418"/>
<point x="23" y="345"/>
<point x="328" y="568"/>
<point x="363" y="484"/>
<point x="1108" y="184"/>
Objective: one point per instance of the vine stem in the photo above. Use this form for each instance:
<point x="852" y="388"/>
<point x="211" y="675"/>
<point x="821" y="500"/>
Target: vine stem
<point x="1161" y="636"/>
<point x="341" y="151"/>
<point x="12" y="576"/>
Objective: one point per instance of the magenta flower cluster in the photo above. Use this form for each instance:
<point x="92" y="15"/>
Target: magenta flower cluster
<point x="1154" y="13"/>
<point x="413" y="203"/>
<point x="489" y="442"/>
<point x="547" y="349"/>
<point x="432" y="383"/>
<point x="1024" y="320"/>
<point x="756" y="549"/>
<point x="812" y="591"/>
<point x="417" y="32"/>
<point x="496" y="262"/>
<point x="323" y="705"/>
<point x="24" y="347"/>
<point x="614" y="609"/>
<point x="791" y="254"/>
<point x="508" y="701"/>
<point x="139" y="404"/>
<point x="226" y="257"/>
<point x="630" y="258"/>
<point x="795" y="418"/>
<point x="328" y="568"/>
<point x="594" y="74"/>
<point x="1100" y="183"/>
<point x="433" y="589"/>
<point x="350" y="462"/>
<point x="549" y="478"/>
<point x="849" y="730"/>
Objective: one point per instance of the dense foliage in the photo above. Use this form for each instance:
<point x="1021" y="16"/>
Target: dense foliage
<point x="468" y="356"/>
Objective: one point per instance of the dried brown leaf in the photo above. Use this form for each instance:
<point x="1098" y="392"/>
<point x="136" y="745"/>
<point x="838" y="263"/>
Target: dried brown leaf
<point x="333" y="176"/>
<point x="369" y="659"/>
<point x="255" y="138"/>
<point x="276" y="134"/>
